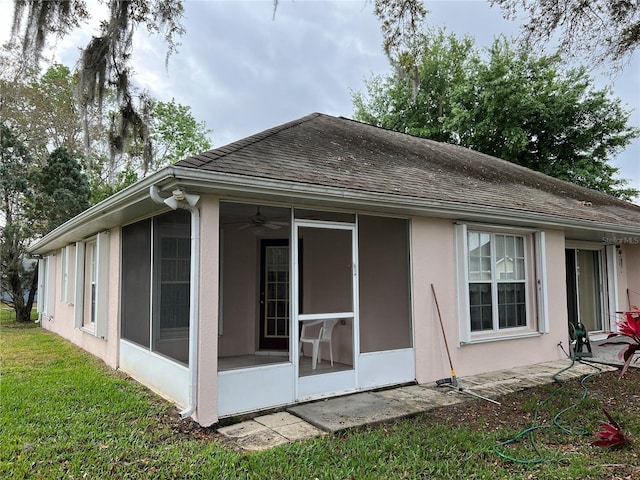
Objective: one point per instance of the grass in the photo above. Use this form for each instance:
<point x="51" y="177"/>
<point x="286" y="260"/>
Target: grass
<point x="65" y="415"/>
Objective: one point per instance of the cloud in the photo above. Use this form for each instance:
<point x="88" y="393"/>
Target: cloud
<point x="242" y="71"/>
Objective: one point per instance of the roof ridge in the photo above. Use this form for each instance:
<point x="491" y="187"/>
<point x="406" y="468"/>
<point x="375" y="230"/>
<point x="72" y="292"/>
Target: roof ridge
<point x="576" y="188"/>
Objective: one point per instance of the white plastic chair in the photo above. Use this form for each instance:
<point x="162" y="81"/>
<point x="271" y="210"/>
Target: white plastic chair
<point x="324" y="335"/>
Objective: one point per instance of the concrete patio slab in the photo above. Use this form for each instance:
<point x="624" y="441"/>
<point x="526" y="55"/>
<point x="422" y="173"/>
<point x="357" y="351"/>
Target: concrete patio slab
<point x="242" y="429"/>
<point x="261" y="440"/>
<point x="267" y="431"/>
<point x="333" y="415"/>
<point x="352" y="411"/>
<point x="278" y="419"/>
<point x="299" y="431"/>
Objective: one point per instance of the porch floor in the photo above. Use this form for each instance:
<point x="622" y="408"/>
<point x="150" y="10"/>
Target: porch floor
<point x="332" y="415"/>
<point x="259" y="359"/>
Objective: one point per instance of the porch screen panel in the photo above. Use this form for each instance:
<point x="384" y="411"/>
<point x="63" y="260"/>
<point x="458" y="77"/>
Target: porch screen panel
<point x="326" y="271"/>
<point x="136" y="282"/>
<point x="385" y="314"/>
<point x="171" y="276"/>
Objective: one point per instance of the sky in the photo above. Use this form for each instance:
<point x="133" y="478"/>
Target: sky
<point x="243" y="71"/>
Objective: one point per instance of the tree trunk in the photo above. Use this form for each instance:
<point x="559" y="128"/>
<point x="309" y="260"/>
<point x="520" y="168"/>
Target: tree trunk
<point x="23" y="308"/>
<point x="32" y="292"/>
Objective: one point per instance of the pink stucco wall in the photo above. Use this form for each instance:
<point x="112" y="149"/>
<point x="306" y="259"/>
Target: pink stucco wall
<point x="207" y="408"/>
<point x="433" y="259"/>
<point x="62" y="321"/>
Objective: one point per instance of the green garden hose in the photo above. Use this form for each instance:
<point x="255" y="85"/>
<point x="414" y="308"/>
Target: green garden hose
<point x="534" y="426"/>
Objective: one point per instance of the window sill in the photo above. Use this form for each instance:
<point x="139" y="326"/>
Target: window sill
<point x="89" y="330"/>
<point x="502" y="337"/>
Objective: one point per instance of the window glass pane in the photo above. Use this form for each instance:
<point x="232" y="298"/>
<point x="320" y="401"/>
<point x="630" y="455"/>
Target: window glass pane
<point x="168" y="270"/>
<point x="519" y="272"/>
<point x="509" y="258"/>
<point x="520" y="247"/>
<point x="168" y="248"/>
<point x="174" y="306"/>
<point x="480" y="306"/>
<point x="485" y="244"/>
<point x="183" y="247"/>
<point x="485" y="274"/>
<point x="511" y="305"/>
<point x="479" y="245"/>
<point x="510" y="246"/>
<point x="499" y="239"/>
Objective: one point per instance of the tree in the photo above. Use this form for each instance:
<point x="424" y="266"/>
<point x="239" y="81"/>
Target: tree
<point x="176" y="133"/>
<point x="445" y="61"/>
<point x="16" y="275"/>
<point x="402" y="24"/>
<point x="105" y="61"/>
<point x="601" y="30"/>
<point x="34" y="200"/>
<point x="41" y="110"/>
<point x="510" y="103"/>
<point x="59" y="191"/>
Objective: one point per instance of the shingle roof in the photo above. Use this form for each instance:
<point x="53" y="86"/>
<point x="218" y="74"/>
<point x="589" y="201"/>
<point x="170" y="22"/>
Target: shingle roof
<point x="324" y="150"/>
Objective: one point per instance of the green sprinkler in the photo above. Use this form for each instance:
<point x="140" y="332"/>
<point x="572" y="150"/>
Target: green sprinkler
<point x="581" y="339"/>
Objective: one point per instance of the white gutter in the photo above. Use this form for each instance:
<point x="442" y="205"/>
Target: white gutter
<point x="109" y="212"/>
<point x="295" y="192"/>
<point x="186" y="201"/>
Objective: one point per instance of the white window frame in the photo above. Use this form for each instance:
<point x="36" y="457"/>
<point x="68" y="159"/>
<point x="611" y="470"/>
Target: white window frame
<point x="93" y="322"/>
<point x="91" y="284"/>
<point x="535" y="281"/>
<point x="46" y="286"/>
<point x="64" y="275"/>
<point x="67" y="274"/>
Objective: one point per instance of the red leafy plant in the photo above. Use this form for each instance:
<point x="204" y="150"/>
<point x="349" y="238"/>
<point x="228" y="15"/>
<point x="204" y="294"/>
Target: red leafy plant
<point x="610" y="434"/>
<point x="630" y="328"/>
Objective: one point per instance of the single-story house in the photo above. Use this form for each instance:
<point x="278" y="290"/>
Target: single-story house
<point x="201" y="280"/>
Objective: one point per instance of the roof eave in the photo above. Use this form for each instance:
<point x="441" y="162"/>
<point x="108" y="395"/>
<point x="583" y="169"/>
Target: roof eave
<point x="298" y="193"/>
<point x="105" y="214"/>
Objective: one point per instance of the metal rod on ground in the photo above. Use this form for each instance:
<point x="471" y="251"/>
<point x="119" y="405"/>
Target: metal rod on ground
<point x="473" y="394"/>
<point x="454" y="381"/>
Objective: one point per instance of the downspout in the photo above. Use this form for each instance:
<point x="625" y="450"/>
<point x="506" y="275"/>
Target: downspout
<point x="186" y="201"/>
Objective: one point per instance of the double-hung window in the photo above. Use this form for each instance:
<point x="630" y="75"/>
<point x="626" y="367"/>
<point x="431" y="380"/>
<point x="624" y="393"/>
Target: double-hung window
<point x="498" y="272"/>
<point x="497" y="281"/>
<point x="92" y="284"/>
<point x="68" y="278"/>
<point x="46" y="286"/>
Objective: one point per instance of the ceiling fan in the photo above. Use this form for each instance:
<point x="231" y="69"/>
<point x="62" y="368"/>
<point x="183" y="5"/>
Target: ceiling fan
<point x="259" y="222"/>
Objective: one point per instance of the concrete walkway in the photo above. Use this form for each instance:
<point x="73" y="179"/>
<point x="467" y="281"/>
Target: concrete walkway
<point x="333" y="415"/>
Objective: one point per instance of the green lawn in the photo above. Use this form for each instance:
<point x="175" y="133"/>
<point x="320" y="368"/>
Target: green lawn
<point x="65" y="415"/>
